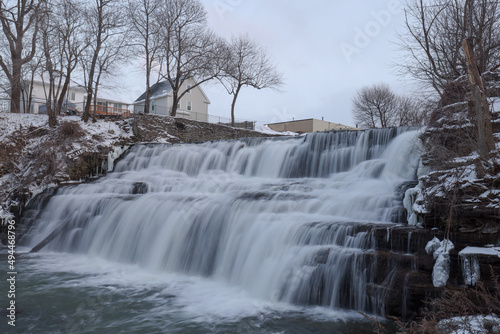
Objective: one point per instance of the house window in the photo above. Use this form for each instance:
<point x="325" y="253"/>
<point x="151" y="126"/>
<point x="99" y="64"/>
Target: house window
<point x="189" y="106"/>
<point x="117" y="105"/>
<point x="72" y="97"/>
<point x="179" y="105"/>
<point x="189" y="89"/>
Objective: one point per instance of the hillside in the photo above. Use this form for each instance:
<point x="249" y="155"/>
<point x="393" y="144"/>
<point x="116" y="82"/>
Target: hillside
<point x="458" y="190"/>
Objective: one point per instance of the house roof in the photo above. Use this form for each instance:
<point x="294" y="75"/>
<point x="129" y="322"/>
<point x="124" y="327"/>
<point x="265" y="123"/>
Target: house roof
<point x="162" y="89"/>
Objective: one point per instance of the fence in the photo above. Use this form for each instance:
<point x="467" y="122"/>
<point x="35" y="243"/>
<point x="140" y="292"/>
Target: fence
<point x="4" y="105"/>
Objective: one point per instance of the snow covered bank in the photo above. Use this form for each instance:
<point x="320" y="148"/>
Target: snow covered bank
<point x="35" y="157"/>
<point x="471" y="325"/>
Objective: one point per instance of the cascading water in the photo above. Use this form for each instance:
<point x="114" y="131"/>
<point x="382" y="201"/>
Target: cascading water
<point x="286" y="219"/>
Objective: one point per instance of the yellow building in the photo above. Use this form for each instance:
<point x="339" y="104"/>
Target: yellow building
<point x="308" y="125"/>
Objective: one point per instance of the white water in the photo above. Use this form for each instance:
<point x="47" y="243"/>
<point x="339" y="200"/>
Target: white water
<point x="282" y="220"/>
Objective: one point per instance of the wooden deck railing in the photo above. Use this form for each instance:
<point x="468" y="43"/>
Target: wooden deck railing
<point x="106" y="110"/>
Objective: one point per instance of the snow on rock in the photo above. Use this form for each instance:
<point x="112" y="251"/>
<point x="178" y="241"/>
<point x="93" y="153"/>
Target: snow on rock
<point x="432" y="245"/>
<point x="494" y="251"/>
<point x="470" y="325"/>
<point x="470" y="262"/>
<point x="495" y="104"/>
<point x="5" y="215"/>
<point x="10" y="123"/>
<point x="441" y="252"/>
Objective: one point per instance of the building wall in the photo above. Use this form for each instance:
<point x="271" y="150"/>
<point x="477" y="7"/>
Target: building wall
<point x="305" y="125"/>
<point x="75" y="95"/>
<point x="319" y="125"/>
<point x="160" y="106"/>
<point x="308" y="125"/>
<point x="196" y="99"/>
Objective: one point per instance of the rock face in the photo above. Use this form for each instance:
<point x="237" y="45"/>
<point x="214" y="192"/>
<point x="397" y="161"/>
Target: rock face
<point x="461" y="195"/>
<point x="455" y="187"/>
<point x="403" y="270"/>
<point x="149" y="128"/>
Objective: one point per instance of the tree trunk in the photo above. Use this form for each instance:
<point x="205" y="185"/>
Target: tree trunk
<point x="148" y="73"/>
<point x="480" y="110"/>
<point x="148" y="98"/>
<point x="233" y="104"/>
<point x="98" y="45"/>
<point x="49" y="104"/>
<point x="15" y="94"/>
<point x="175" y="102"/>
<point x="485" y="138"/>
<point x="90" y="96"/>
<point x="30" y="95"/>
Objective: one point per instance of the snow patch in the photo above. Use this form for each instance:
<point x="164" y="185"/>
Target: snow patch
<point x="494" y="251"/>
<point x="267" y="130"/>
<point x="471" y="324"/>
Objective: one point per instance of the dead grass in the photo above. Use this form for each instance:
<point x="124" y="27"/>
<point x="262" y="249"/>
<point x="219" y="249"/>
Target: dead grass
<point x="69" y="130"/>
<point x="467" y="303"/>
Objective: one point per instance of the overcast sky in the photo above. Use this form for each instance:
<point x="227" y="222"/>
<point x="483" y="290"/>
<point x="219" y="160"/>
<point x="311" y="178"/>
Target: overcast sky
<point x="326" y="50"/>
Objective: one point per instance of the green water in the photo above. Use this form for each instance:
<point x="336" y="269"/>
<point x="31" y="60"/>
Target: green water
<point x="64" y="293"/>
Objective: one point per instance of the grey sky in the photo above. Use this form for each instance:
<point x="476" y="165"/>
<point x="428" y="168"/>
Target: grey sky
<point x="325" y="49"/>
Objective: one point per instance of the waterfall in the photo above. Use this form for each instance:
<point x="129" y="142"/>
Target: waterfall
<point x="287" y="219"/>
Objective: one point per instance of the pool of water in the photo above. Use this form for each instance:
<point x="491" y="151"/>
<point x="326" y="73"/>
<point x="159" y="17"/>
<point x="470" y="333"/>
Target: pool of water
<point x="68" y="293"/>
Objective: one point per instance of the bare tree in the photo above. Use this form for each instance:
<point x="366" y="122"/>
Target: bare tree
<point x="62" y="44"/>
<point x="145" y="17"/>
<point x="19" y="21"/>
<point x="374" y="106"/>
<point x="107" y="33"/>
<point x="447" y="39"/>
<point x="248" y="65"/>
<point x="411" y="112"/>
<point x="29" y="73"/>
<point x="189" y="50"/>
<point x="435" y="30"/>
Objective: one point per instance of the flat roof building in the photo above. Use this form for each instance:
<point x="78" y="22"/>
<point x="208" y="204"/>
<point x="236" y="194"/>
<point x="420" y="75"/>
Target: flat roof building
<point x="308" y="125"/>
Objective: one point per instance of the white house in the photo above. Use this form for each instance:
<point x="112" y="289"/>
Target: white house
<point x="76" y="96"/>
<point x="193" y="105"/>
<point x="40" y="90"/>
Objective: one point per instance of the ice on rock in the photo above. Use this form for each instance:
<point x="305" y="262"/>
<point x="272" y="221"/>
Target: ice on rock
<point x="441" y="252"/>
